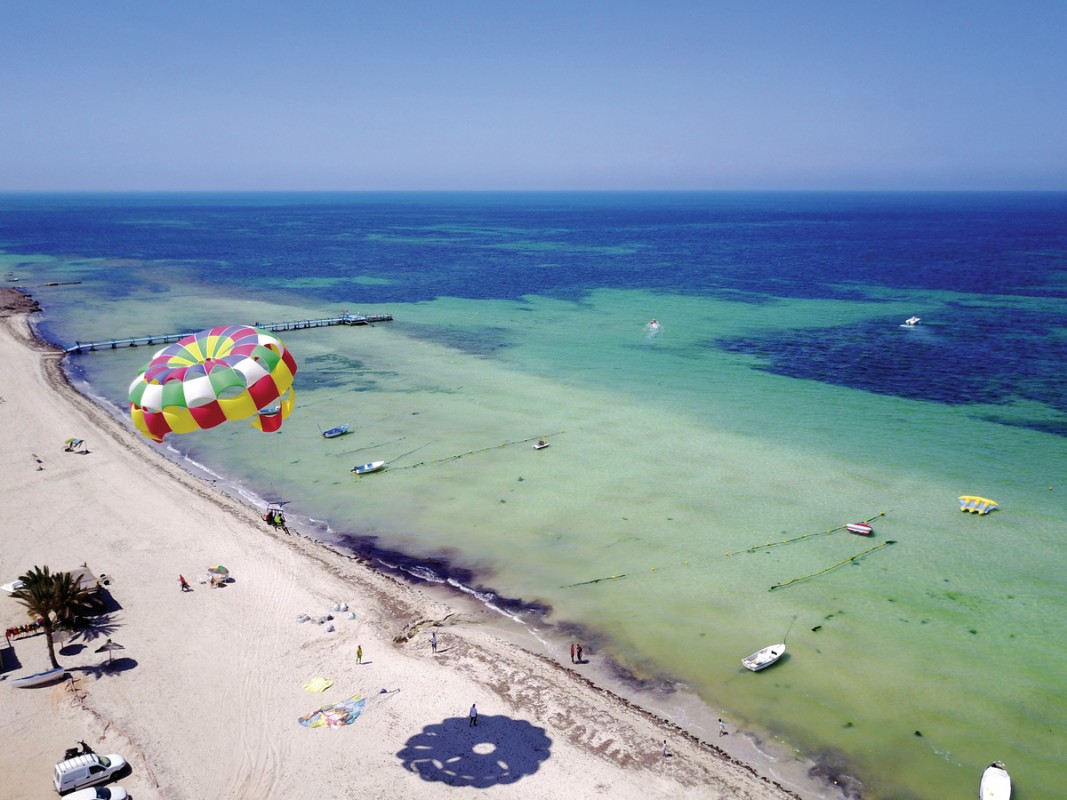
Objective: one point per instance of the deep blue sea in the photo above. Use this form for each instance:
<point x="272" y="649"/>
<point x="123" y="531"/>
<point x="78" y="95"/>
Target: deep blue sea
<point x="702" y="468"/>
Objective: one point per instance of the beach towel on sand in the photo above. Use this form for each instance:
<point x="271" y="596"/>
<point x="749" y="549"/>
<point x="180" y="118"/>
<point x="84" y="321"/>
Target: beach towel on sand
<point x="336" y="715"/>
<point x="318" y="684"/>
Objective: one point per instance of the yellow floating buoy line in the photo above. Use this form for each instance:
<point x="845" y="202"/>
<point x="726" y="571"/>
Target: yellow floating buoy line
<point x="833" y="566"/>
<point x="758" y="547"/>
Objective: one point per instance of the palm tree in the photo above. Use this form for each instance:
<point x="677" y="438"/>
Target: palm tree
<point x="56" y="598"/>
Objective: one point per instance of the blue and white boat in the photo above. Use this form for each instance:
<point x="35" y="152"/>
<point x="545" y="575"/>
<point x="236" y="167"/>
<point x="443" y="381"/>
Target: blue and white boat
<point x="39" y="678"/>
<point x="373" y="466"/>
<point x="340" y="430"/>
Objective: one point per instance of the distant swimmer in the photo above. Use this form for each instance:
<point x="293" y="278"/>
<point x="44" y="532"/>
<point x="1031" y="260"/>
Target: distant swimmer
<point x="653" y="326"/>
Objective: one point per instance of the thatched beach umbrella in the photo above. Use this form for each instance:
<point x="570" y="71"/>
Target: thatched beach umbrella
<point x="109" y="646"/>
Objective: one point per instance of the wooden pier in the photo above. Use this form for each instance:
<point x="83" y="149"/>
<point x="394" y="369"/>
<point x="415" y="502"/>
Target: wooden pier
<point x="274" y="327"/>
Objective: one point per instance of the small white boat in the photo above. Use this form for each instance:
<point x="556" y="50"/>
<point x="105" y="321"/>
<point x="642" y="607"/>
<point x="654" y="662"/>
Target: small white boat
<point x="541" y="444"/>
<point x="762" y="659"/>
<point x="996" y="783"/>
<point x="861" y="528"/>
<point x="333" y="433"/>
<point x="373" y="466"/>
<point x="910" y="322"/>
<point x="39" y="678"/>
<point x="12" y="587"/>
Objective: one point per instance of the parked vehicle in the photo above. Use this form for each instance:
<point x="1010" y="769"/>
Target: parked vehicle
<point x="85" y="770"/>
<point x="99" y="793"/>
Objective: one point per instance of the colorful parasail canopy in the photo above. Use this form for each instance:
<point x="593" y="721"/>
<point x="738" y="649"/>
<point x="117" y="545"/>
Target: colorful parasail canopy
<point x="336" y="715"/>
<point x="214" y="376"/>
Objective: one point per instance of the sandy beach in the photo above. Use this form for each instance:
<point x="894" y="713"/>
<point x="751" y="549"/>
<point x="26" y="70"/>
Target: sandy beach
<point x="205" y="697"/>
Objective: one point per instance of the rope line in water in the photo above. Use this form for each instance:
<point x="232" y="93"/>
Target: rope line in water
<point x="753" y="550"/>
<point x="480" y="450"/>
<point x="595" y="580"/>
<point x="832" y="567"/>
<point x="757" y="547"/>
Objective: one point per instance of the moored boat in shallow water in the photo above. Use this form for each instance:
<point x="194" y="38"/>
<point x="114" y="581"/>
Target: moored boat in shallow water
<point x="762" y="659"/>
<point x="996" y="783"/>
<point x="373" y="466"/>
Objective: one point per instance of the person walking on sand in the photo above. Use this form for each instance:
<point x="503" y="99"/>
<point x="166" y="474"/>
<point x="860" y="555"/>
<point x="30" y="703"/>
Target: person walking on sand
<point x="433" y="641"/>
<point x="359" y="654"/>
<point x="474" y="715"/>
<point x="666" y="752"/>
<point x="722" y="728"/>
<point x="572" y="652"/>
<point x="184" y="584"/>
<point x="580" y="661"/>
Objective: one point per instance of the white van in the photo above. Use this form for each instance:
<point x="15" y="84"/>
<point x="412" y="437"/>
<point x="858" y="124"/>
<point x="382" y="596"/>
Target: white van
<point x="85" y="770"/>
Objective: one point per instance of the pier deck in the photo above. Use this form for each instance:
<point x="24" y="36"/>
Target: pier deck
<point x="273" y="327"/>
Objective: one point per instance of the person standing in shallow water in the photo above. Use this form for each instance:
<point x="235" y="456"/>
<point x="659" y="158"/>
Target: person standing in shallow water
<point x="572" y="652"/>
<point x="580" y="661"/>
<point x="359" y="654"/>
<point x="474" y="715"/>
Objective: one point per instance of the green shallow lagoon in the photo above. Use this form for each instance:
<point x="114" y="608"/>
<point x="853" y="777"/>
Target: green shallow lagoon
<point x="670" y="460"/>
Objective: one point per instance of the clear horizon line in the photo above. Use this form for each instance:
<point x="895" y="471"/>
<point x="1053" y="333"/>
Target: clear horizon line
<point x="918" y="190"/>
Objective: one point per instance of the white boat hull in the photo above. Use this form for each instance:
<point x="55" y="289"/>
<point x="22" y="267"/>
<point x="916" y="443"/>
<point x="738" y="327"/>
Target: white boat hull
<point x="373" y="466"/>
<point x="996" y="783"/>
<point x="39" y="679"/>
<point x="762" y="659"/>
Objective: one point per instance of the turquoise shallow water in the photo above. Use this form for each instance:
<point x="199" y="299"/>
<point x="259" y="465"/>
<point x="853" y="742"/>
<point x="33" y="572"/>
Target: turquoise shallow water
<point x="687" y="469"/>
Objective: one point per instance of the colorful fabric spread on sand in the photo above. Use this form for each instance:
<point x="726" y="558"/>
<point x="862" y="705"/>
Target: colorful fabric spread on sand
<point x="318" y="684"/>
<point x="336" y="715"/>
<point x="202" y="380"/>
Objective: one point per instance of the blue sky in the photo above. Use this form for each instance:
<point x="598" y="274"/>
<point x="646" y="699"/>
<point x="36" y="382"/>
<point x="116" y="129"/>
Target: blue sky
<point x="397" y="95"/>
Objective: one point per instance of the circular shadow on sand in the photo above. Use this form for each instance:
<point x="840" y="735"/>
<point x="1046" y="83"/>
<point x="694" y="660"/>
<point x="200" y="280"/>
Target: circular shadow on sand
<point x="496" y="750"/>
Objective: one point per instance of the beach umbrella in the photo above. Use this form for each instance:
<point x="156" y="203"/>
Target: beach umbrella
<point x="218" y="569"/>
<point x="109" y="646"/>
